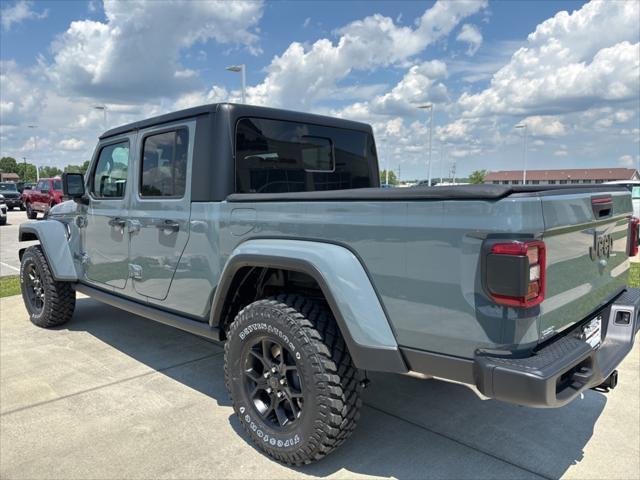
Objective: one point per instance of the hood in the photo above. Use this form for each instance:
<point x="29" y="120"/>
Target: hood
<point x="10" y="194"/>
<point x="65" y="208"/>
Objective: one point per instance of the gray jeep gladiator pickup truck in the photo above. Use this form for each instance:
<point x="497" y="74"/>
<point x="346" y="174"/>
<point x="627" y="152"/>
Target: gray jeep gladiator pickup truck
<point x="267" y="230"/>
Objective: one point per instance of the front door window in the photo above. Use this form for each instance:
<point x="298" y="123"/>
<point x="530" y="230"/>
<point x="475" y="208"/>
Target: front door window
<point x="110" y="175"/>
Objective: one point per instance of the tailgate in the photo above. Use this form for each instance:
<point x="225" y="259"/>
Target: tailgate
<point x="582" y="272"/>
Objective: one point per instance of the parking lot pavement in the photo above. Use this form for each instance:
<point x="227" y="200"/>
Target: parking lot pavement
<point x="111" y="395"/>
<point x="9" y="261"/>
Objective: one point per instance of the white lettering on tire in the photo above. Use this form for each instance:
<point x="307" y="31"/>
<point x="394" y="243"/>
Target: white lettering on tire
<point x="254" y="327"/>
<point x="266" y="438"/>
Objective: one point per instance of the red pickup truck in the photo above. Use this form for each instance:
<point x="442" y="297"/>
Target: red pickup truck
<point x="46" y="194"/>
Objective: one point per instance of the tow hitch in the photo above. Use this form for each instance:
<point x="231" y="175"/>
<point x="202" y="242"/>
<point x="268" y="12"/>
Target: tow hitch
<point x="609" y="384"/>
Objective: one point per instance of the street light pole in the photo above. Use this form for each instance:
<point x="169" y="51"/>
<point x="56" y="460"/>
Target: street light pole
<point x="242" y="69"/>
<point x="430" y="107"/>
<point x="387" y="162"/>
<point x="524" y="151"/>
<point x="35" y="147"/>
<point x="104" y="112"/>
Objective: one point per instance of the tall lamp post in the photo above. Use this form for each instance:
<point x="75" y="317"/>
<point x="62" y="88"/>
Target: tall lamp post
<point x="430" y="107"/>
<point x="35" y="147"/>
<point x="240" y="68"/>
<point x="384" y="141"/>
<point x="523" y="126"/>
<point x="104" y="112"/>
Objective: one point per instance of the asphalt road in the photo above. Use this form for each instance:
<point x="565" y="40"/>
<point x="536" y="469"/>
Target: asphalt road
<point x="111" y="395"/>
<point x="9" y="245"/>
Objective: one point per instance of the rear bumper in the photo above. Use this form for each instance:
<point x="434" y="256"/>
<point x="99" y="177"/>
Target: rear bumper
<point x="561" y="370"/>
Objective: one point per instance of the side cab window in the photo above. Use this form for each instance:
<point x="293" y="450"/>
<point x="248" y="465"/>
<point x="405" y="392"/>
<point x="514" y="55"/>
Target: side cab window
<point x="109" y="177"/>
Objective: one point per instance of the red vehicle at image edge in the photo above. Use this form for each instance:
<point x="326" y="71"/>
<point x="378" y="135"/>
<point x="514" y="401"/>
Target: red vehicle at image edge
<point x="46" y="194"/>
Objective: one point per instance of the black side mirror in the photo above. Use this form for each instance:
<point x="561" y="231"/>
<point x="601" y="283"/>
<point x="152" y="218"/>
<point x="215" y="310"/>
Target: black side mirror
<point x="73" y="186"/>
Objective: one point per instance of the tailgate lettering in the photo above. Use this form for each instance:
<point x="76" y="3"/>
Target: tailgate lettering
<point x="602" y="246"/>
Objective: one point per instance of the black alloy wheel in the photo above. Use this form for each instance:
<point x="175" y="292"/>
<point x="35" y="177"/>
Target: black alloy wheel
<point x="33" y="288"/>
<point x="272" y="382"/>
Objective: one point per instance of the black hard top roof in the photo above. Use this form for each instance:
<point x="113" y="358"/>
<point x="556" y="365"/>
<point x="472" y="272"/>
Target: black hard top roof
<point x="238" y="110"/>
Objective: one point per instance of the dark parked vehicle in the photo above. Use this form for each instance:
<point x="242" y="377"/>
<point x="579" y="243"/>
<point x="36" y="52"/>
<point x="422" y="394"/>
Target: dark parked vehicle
<point x="267" y="230"/>
<point x="11" y="195"/>
<point x="46" y="194"/>
<point x="22" y="186"/>
<point x="3" y="211"/>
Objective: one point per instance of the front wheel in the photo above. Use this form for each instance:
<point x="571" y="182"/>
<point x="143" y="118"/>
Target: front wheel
<point x="49" y="303"/>
<point x="31" y="213"/>
<point x="291" y="378"/>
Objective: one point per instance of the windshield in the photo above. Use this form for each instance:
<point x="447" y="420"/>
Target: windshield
<point x="635" y="192"/>
<point x="8" y="187"/>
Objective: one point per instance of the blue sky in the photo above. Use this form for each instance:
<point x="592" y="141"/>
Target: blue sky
<point x="568" y="70"/>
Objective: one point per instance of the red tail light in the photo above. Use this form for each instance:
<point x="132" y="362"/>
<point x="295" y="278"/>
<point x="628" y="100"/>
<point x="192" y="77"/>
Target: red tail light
<point x="634" y="225"/>
<point x="515" y="273"/>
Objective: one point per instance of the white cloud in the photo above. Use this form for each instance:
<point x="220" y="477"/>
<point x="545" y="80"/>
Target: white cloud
<point x="71" y="144"/>
<point x="420" y="84"/>
<point x="19" y="12"/>
<point x="20" y="101"/>
<point x="544" y="126"/>
<point x="560" y="153"/>
<point x="302" y="75"/>
<point x="570" y="63"/>
<point x="628" y="161"/>
<point x="214" y="95"/>
<point x="456" y="131"/>
<point x="471" y="35"/>
<point x="135" y="53"/>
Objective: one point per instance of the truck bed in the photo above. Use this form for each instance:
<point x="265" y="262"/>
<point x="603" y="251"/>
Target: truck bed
<point x="422" y="249"/>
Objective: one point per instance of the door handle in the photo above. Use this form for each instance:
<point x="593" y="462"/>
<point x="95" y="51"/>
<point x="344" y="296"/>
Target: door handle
<point x="169" y="225"/>
<point x="117" y="222"/>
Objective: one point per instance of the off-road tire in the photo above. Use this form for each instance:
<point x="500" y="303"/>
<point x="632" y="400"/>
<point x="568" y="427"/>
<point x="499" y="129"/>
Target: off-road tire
<point x="331" y="384"/>
<point x="31" y="213"/>
<point x="3" y="221"/>
<point x="59" y="298"/>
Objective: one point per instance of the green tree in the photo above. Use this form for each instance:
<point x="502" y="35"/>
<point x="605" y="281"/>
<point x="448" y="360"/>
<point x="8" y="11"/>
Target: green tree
<point x="477" y="176"/>
<point x="48" y="172"/>
<point x="27" y="172"/>
<point x="77" y="168"/>
<point x="8" y="165"/>
<point x="393" y="180"/>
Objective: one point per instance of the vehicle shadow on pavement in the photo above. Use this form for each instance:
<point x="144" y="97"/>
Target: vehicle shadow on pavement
<point x="408" y="428"/>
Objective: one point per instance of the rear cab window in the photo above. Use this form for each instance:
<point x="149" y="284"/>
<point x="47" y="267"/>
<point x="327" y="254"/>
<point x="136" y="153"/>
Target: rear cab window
<point x="276" y="156"/>
<point x="635" y="192"/>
